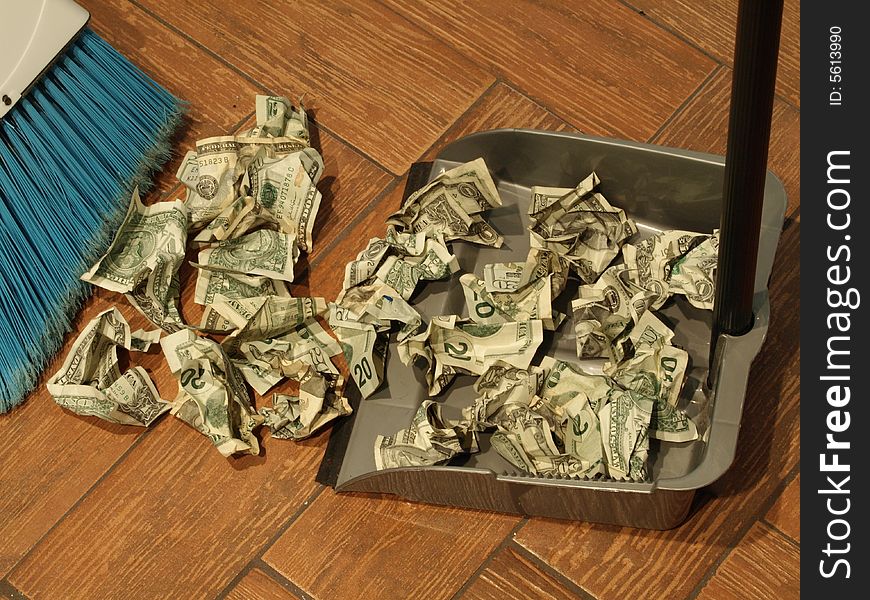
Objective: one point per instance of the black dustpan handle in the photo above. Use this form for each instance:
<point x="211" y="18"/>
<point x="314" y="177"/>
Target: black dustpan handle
<point x="755" y="55"/>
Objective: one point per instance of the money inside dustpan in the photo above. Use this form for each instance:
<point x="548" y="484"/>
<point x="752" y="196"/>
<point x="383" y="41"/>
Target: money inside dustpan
<point x="661" y="189"/>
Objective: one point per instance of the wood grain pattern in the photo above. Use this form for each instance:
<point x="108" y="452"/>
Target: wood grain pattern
<point x="764" y="565"/>
<point x="379" y="82"/>
<point x="326" y="276"/>
<point x="511" y="575"/>
<point x="712" y="24"/>
<point x="51" y="456"/>
<point x="349" y="183"/>
<point x="702" y="125"/>
<point x="604" y="68"/>
<point x="49" y="472"/>
<point x="66" y="454"/>
<point x="256" y="585"/>
<point x="174" y="520"/>
<point x="785" y="514"/>
<point x="612" y="562"/>
<point x="99" y="511"/>
<point x="352" y="546"/>
<point x="500" y="107"/>
<point x="218" y="98"/>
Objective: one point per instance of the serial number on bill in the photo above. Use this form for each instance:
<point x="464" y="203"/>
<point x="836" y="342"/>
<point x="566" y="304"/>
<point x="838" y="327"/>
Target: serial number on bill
<point x="835" y="65"/>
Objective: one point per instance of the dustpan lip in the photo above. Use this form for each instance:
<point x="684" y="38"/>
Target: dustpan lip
<point x="707" y="157"/>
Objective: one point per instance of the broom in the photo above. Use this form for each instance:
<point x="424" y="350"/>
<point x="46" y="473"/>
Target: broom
<point x="80" y="126"/>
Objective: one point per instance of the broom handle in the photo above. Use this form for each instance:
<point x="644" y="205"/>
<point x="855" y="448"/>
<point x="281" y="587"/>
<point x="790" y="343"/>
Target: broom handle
<point x="755" y="55"/>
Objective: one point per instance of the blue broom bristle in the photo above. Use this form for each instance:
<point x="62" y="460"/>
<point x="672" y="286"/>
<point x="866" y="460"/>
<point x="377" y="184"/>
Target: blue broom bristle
<point x="71" y="151"/>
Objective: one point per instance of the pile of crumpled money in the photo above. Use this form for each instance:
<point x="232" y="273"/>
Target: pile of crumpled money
<point x="548" y="418"/>
<point x="249" y="212"/>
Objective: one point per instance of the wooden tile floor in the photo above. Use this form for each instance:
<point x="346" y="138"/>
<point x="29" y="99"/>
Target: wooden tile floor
<point x="89" y="510"/>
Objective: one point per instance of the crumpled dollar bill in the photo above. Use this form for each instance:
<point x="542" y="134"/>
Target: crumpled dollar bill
<point x="514" y="276"/>
<point x="670" y="262"/>
<point x="605" y="311"/>
<point x="90" y="382"/>
<point x="557" y="420"/>
<point x="657" y="370"/>
<point x="210" y="283"/>
<point x="675" y="262"/>
<point x="319" y="402"/>
<point x="545" y="418"/>
<point x="212" y="397"/>
<point x="428" y="440"/>
<point x="579" y="225"/>
<point x="269" y="336"/>
<point x="534" y="301"/>
<point x="143" y="260"/>
<point x="262" y="317"/>
<point x="252" y="201"/>
<point x="400" y="260"/>
<point x="214" y="172"/>
<point x="551" y="419"/>
<point x="251" y="205"/>
<point x="263" y="252"/>
<point x="266" y="362"/>
<point x="387" y="273"/>
<point x="364" y="349"/>
<point x="452" y="346"/>
<point x="450" y="205"/>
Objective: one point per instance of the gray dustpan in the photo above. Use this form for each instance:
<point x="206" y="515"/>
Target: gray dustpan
<point x="660" y="188"/>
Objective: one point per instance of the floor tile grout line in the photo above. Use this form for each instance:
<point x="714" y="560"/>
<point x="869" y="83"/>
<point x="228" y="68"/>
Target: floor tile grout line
<point x="390" y="187"/>
<point x="496" y="74"/>
<point x="237" y="126"/>
<point x="786" y="537"/>
<point x="281" y="579"/>
<point x="497" y="78"/>
<point x="234" y="582"/>
<point x="271" y="541"/>
<point x="777" y="491"/>
<point x="79" y="501"/>
<point x="250" y="79"/>
<point x="552" y="571"/>
<point x="200" y="45"/>
<point x="539" y="103"/>
<point x="353" y="148"/>
<point x="504" y="543"/>
<point x="471" y="108"/>
<point x="293" y="518"/>
<point x="791" y="218"/>
<point x="554" y="112"/>
<point x="764" y="507"/>
<point x="10" y="591"/>
<point x="674" y="32"/>
<point x="786" y="481"/>
<point x="787" y="102"/>
<point x="724" y="63"/>
<point x="685" y="103"/>
<point x="386" y="191"/>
